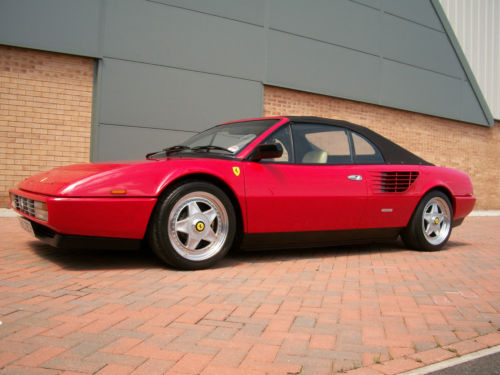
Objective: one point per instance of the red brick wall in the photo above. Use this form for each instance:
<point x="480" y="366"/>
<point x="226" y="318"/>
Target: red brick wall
<point x="45" y="113"/>
<point x="471" y="148"/>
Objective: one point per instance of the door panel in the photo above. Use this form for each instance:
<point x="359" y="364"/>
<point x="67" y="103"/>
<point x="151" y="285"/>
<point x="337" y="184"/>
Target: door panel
<point x="290" y="197"/>
<point x="394" y="192"/>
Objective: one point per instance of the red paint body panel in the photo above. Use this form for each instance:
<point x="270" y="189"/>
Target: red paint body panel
<point x="80" y="202"/>
<point x="273" y="197"/>
<point x="102" y="217"/>
<point x="99" y="217"/>
<point x="463" y="206"/>
<point x="295" y="198"/>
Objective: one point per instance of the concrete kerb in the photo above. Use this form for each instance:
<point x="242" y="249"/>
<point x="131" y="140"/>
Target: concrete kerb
<point x="453" y="361"/>
<point x="7" y="212"/>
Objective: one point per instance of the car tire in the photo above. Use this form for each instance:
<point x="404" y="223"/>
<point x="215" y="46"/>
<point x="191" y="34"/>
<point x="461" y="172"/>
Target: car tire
<point x="430" y="225"/>
<point x="193" y="226"/>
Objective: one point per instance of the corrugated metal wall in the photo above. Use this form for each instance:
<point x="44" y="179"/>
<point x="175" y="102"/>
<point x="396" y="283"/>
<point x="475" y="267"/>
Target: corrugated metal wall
<point x="477" y="27"/>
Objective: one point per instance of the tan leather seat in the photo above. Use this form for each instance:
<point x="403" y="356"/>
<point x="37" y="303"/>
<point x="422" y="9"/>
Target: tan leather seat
<point x="315" y="157"/>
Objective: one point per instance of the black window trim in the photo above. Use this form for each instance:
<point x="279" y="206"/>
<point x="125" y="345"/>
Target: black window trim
<point x="353" y="151"/>
<point x="348" y="131"/>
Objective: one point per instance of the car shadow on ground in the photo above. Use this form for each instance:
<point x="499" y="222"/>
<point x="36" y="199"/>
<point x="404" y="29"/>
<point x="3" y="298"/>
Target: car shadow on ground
<point x="96" y="259"/>
<point x="105" y="259"/>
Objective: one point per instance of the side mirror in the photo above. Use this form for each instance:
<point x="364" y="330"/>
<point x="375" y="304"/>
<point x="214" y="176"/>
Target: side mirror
<point x="266" y="151"/>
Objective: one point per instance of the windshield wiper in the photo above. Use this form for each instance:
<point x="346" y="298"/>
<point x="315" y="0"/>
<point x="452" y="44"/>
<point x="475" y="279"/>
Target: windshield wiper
<point x="210" y="147"/>
<point x="168" y="150"/>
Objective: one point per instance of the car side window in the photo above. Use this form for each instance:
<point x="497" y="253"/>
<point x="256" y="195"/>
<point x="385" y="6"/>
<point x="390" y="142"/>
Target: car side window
<point x="364" y="151"/>
<point x="321" y="144"/>
<point x="282" y="137"/>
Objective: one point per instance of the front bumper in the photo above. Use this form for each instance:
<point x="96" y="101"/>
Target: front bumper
<point x="55" y="239"/>
<point x="119" y="217"/>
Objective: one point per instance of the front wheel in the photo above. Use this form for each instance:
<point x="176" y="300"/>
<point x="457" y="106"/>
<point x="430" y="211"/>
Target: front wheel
<point x="194" y="226"/>
<point x="430" y="226"/>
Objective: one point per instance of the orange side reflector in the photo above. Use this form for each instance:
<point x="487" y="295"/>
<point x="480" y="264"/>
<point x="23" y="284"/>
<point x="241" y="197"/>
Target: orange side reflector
<point x="119" y="192"/>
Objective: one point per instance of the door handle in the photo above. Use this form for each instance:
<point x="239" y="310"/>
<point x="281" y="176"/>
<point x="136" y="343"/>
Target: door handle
<point x="355" y="177"/>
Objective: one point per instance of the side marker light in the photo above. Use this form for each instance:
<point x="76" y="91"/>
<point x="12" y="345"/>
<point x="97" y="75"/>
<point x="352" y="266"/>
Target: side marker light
<point x="118" y="192"/>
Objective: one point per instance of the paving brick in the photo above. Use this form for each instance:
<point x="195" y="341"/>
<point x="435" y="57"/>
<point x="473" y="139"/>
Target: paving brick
<point x="221" y="370"/>
<point x="465" y="347"/>
<point x="192" y="363"/>
<point x="8" y="357"/>
<point x="397" y="366"/>
<point x="39" y="356"/>
<point x="363" y="371"/>
<point x="229" y="357"/>
<point x="122" y="345"/>
<point x="115" y="370"/>
<point x="254" y="314"/>
<point x="432" y="356"/>
<point x="324" y="342"/>
<point x="153" y="366"/>
<point x="63" y="362"/>
<point x="491" y="339"/>
<point x="263" y="352"/>
<point x="21" y="370"/>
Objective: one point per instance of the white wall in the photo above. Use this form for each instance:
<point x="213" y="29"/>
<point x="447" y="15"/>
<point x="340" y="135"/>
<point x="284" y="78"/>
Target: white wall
<point x="477" y="26"/>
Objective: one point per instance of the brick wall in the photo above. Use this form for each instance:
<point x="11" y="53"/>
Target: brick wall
<point x="45" y="113"/>
<point x="471" y="148"/>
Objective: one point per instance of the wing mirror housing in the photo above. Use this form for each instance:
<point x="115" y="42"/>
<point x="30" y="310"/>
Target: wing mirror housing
<point x="266" y="151"/>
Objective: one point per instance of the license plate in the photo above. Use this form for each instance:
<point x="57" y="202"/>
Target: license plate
<point x="26" y="225"/>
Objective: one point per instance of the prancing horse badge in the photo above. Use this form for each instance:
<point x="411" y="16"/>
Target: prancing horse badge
<point x="236" y="171"/>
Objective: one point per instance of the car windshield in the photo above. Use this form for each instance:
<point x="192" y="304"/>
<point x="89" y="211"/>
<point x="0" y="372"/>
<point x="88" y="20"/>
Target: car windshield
<point x="228" y="138"/>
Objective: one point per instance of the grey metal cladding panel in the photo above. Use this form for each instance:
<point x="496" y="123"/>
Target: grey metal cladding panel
<point x="242" y="10"/>
<point x="165" y="35"/>
<point x="418" y="45"/>
<point x="127" y="143"/>
<point x="68" y="26"/>
<point x="371" y="3"/>
<point x="420" y="11"/>
<point x="143" y="95"/>
<point x="339" y="22"/>
<point x="471" y="110"/>
<point x="418" y="90"/>
<point x="308" y="65"/>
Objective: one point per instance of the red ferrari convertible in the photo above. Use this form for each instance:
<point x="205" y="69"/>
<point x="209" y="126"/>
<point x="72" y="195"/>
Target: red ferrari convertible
<point x="260" y="183"/>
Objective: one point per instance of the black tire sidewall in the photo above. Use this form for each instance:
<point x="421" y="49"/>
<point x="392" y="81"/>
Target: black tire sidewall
<point x="421" y="242"/>
<point x="160" y="241"/>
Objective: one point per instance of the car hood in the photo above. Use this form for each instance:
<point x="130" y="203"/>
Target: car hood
<point x="140" y="178"/>
<point x="58" y="180"/>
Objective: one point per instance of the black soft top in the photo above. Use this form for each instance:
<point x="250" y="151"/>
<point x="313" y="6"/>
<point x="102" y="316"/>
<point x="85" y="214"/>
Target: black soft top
<point x="393" y="153"/>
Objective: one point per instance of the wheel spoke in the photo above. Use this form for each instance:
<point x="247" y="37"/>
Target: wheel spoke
<point x="428" y="217"/>
<point x="430" y="229"/>
<point x="193" y="209"/>
<point x="192" y="243"/>
<point x="210" y="236"/>
<point x="211" y="215"/>
<point x="182" y="226"/>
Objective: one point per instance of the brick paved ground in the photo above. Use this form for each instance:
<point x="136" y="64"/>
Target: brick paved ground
<point x="377" y="309"/>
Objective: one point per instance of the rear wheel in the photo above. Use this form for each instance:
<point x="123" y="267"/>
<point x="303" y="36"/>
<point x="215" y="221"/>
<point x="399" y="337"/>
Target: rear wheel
<point x="430" y="226"/>
<point x="194" y="226"/>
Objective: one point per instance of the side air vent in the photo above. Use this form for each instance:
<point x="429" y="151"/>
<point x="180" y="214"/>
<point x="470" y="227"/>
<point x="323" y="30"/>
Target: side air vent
<point x="393" y="182"/>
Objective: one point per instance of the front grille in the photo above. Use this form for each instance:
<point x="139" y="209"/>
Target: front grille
<point x="25" y="205"/>
<point x="393" y="182"/>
